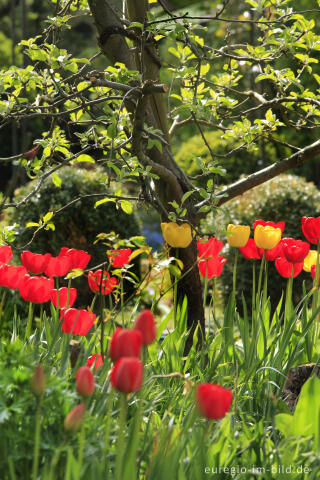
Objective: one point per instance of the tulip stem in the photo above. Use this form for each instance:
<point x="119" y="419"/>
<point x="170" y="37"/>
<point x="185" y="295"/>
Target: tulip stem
<point x="93" y="302"/>
<point x="29" y="323"/>
<point x="234" y="278"/>
<point x="68" y="294"/>
<point x="41" y="316"/>
<point x="36" y="441"/>
<point x="81" y="447"/>
<point x="259" y="280"/>
<point x="288" y="304"/>
<point x="253" y="288"/>
<point x="121" y="301"/>
<point x="205" y="293"/>
<point x="5" y="291"/>
<point x="175" y="294"/>
<point x="102" y="324"/>
<point x="57" y="287"/>
<point x="265" y="284"/>
<point x="121" y="436"/>
<point x="107" y="431"/>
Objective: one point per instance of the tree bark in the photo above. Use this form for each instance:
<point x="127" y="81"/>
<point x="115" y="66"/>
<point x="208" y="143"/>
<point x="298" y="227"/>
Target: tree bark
<point x="173" y="182"/>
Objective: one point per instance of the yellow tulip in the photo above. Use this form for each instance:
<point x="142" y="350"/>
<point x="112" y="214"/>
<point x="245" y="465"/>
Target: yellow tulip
<point x="238" y="235"/>
<point x="311" y="259"/>
<point x="267" y="237"/>
<point x="177" y="236"/>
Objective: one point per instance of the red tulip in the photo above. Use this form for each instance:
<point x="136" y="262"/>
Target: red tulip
<point x="215" y="266"/>
<point x="73" y="420"/>
<point x="78" y="258"/>
<point x="36" y="289"/>
<point x="294" y="251"/>
<point x="127" y="374"/>
<point x="10" y="276"/>
<point x="104" y="285"/>
<point x="58" y="266"/>
<point x="311" y="228"/>
<point x="85" y="382"/>
<point x="280" y="225"/>
<point x="125" y="343"/>
<point x="146" y="325"/>
<point x="213" y="401"/>
<point x="285" y="268"/>
<point x="35" y="262"/>
<point x="5" y="254"/>
<point x="313" y="272"/>
<point x="75" y="321"/>
<point x="63" y="297"/>
<point x="250" y="250"/>
<point x="210" y="248"/>
<point x="119" y="258"/>
<point x="95" y="359"/>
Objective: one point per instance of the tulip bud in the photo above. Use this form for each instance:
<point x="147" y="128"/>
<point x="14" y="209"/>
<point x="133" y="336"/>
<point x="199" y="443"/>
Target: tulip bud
<point x="145" y="324"/>
<point x="73" y="420"/>
<point x="85" y="382"/>
<point x="38" y="382"/>
<point x="213" y="401"/>
<point x="125" y="343"/>
<point x="127" y="374"/>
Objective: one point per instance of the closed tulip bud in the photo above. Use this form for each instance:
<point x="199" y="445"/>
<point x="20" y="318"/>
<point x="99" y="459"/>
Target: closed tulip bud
<point x="38" y="382"/>
<point x="127" y="374"/>
<point x="125" y="343"/>
<point x="177" y="236"/>
<point x="73" y="420"/>
<point x="213" y="401"/>
<point x="146" y="325"/>
<point x="238" y="235"/>
<point x="267" y="237"/>
<point x="85" y="382"/>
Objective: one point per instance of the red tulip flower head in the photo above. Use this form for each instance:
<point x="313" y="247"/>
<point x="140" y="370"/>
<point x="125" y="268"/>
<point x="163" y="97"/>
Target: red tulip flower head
<point x="75" y="321"/>
<point x="10" y="276"/>
<point x="104" y="285"/>
<point x="125" y="343"/>
<point x="96" y="360"/>
<point x="5" y="254"/>
<point x="294" y="251"/>
<point x="85" y="382"/>
<point x="285" y="268"/>
<point x="35" y="262"/>
<point x="250" y="250"/>
<point x="127" y="375"/>
<point x="146" y="325"/>
<point x="212" y="267"/>
<point x="209" y="249"/>
<point x="63" y="297"/>
<point x="213" y="401"/>
<point x="36" y="289"/>
<point x="58" y="266"/>
<point x="311" y="228"/>
<point x="78" y="258"/>
<point x="280" y="225"/>
<point x="119" y="258"/>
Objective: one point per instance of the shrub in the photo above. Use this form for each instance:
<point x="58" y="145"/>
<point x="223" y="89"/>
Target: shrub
<point x="78" y="225"/>
<point x="241" y="162"/>
<point x="286" y="198"/>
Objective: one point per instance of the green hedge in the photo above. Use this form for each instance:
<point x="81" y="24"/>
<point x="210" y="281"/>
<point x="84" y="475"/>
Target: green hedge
<point x="239" y="163"/>
<point x="286" y="198"/>
<point x="78" y="225"/>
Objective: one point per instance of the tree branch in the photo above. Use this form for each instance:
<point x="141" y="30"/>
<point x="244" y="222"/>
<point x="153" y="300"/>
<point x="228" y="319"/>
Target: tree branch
<point x="257" y="178"/>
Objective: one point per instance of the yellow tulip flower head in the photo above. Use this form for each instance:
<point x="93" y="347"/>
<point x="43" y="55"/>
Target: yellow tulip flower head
<point x="311" y="259"/>
<point x="177" y="236"/>
<point x="238" y="235"/>
<point x="267" y="237"/>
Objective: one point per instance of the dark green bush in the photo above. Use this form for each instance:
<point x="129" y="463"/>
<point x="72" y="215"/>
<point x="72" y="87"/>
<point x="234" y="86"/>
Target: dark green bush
<point x="285" y="198"/>
<point x="78" y="225"/>
<point x="241" y="162"/>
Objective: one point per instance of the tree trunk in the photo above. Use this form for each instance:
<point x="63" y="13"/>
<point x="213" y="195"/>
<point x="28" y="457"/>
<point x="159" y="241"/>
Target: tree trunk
<point x="112" y="33"/>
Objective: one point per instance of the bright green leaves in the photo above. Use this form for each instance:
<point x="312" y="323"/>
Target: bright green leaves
<point x="306" y="418"/>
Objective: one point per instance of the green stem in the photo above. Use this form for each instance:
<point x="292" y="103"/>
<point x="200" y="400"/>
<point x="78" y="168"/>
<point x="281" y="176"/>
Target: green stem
<point x="93" y="302"/>
<point x="5" y="291"/>
<point x="57" y="288"/>
<point x="107" y="432"/>
<point x="36" y="441"/>
<point x="205" y="288"/>
<point x="234" y="278"/>
<point x="55" y="459"/>
<point x="41" y="316"/>
<point x="259" y="281"/>
<point x="81" y="447"/>
<point x="121" y="436"/>
<point x="288" y="304"/>
<point x="121" y="301"/>
<point x="253" y="288"/>
<point x="102" y="324"/>
<point x="68" y="295"/>
<point x="29" y="323"/>
<point x="265" y="284"/>
<point x="175" y="294"/>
